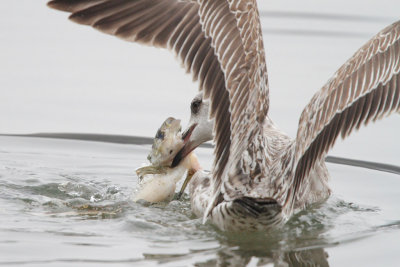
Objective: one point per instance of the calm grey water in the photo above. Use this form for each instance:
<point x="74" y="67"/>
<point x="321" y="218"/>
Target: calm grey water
<point x="66" y="202"/>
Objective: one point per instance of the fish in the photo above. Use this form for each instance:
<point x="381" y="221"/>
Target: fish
<point x="157" y="181"/>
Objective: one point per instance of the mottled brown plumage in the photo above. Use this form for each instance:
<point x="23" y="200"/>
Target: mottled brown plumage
<point x="168" y="24"/>
<point x="259" y="172"/>
<point x="364" y="89"/>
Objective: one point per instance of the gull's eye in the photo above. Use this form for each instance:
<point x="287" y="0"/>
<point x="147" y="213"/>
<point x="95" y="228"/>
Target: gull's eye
<point x="160" y="135"/>
<point x="195" y="106"/>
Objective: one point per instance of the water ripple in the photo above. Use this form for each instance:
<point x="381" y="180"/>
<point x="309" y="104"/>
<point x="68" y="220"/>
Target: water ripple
<point x="76" y="213"/>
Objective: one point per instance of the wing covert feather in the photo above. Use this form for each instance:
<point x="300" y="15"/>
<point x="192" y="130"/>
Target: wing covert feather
<point x="364" y="89"/>
<point x="171" y="24"/>
<point x="219" y="42"/>
<point x="235" y="31"/>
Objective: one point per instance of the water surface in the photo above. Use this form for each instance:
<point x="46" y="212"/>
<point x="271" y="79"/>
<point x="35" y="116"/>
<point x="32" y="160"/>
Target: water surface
<point x="67" y="202"/>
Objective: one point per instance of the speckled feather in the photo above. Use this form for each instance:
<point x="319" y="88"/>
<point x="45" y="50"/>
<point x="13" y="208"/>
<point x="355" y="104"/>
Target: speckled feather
<point x="256" y="164"/>
<point x="364" y="89"/>
<point x="170" y="24"/>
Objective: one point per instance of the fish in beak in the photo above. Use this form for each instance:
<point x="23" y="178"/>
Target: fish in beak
<point x="188" y="146"/>
<point x="167" y="142"/>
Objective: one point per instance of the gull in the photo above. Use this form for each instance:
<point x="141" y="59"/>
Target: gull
<point x="260" y="176"/>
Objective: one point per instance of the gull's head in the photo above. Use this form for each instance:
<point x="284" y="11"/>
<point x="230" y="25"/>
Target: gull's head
<point x="199" y="130"/>
<point x="167" y="142"/>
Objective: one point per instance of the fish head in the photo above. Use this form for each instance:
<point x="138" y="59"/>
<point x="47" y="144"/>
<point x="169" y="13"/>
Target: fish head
<point x="167" y="142"/>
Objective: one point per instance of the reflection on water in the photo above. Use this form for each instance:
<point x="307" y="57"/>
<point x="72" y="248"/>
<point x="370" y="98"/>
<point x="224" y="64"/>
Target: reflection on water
<point x="239" y="257"/>
<point x="71" y="199"/>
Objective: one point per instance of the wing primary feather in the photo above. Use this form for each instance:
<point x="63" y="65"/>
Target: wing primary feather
<point x="146" y="31"/>
<point x="111" y="23"/>
<point x="199" y="59"/>
<point x="211" y="84"/>
<point x="164" y="35"/>
<point x="389" y="100"/>
<point x="364" y="108"/>
<point x="179" y="28"/>
<point x="184" y="33"/>
<point x="356" y="108"/>
<point x="381" y="105"/>
<point x="72" y="5"/>
<point x="90" y="14"/>
<point x="218" y="94"/>
<point x="395" y="83"/>
<point x="374" y="104"/>
<point x="189" y="59"/>
<point x="213" y="73"/>
<point x="344" y="119"/>
<point x="149" y="32"/>
<point x="205" y="66"/>
<point x="190" y="40"/>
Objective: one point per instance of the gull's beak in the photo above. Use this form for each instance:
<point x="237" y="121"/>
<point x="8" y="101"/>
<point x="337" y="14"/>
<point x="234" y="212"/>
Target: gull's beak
<point x="189" y="146"/>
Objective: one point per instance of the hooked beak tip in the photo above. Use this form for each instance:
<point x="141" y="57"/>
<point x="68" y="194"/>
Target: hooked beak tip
<point x="186" y="149"/>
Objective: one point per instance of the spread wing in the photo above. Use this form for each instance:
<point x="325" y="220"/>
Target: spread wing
<point x="171" y="24"/>
<point x="218" y="41"/>
<point x="235" y="31"/>
<point x="366" y="88"/>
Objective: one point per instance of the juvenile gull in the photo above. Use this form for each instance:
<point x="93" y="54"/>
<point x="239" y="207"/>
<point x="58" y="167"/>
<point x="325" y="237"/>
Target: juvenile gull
<point x="260" y="176"/>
